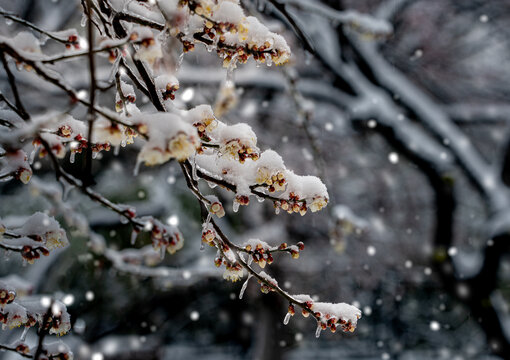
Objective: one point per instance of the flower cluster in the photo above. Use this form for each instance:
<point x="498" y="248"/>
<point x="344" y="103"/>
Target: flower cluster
<point x="269" y="285"/>
<point x="150" y="48"/>
<point x="223" y="26"/>
<point x="168" y="137"/>
<point x="14" y="164"/>
<point x="238" y="142"/>
<point x="167" y="85"/>
<point x="275" y="181"/>
<point x="294" y="250"/>
<point x="329" y="315"/>
<point x="13" y="315"/>
<point x="303" y="193"/>
<point x="165" y="238"/>
<point x="40" y="234"/>
<point x="227" y="99"/>
<point x="62" y="131"/>
<point x="209" y="235"/>
<point x="260" y="252"/>
<point x="57" y="350"/>
<point x="7" y="294"/>
<point x="128" y="93"/>
<point x="144" y="256"/>
<point x="31" y="253"/>
<point x="217" y="209"/>
<point x="203" y="119"/>
<point x="233" y="272"/>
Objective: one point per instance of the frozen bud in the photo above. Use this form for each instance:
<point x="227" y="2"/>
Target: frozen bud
<point x="302" y="210"/>
<point x="233" y="272"/>
<point x="301" y="246"/>
<point x="23" y="348"/>
<point x="294" y="254"/>
<point x="282" y="246"/>
<point x="218" y="262"/>
<point x="182" y="146"/>
<point x="208" y="237"/>
<point x="7" y="294"/>
<point x="56" y="239"/>
<point x="217" y="209"/>
<point x="24" y="175"/>
<point x="242" y="199"/>
<point x="291" y="310"/>
<point x="305" y="313"/>
<point x="142" y="128"/>
<point x="176" y="243"/>
<point x="318" y="203"/>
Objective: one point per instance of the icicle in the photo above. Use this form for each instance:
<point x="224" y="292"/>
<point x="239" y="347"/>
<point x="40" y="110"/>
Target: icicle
<point x="116" y="150"/>
<point x="137" y="167"/>
<point x="194" y="170"/>
<point x="7" y="178"/>
<point x="162" y="251"/>
<point x="250" y="260"/>
<point x="179" y="62"/>
<point x="72" y="157"/>
<point x="123" y="220"/>
<point x="123" y="143"/>
<point x="66" y="189"/>
<point x="259" y="198"/>
<point x="207" y="221"/>
<point x="308" y="57"/>
<point x="277" y="210"/>
<point x="245" y="285"/>
<point x="7" y="255"/>
<point x="31" y="158"/>
<point x="83" y="21"/>
<point x="318" y="330"/>
<point x="269" y="60"/>
<point x="134" y="235"/>
<point x="8" y="22"/>
<point x="202" y="246"/>
<point x="230" y="69"/>
<point x="24" y="334"/>
<point x="211" y="184"/>
<point x="235" y="206"/>
<point x="286" y="319"/>
<point x="94" y="154"/>
<point x="261" y="6"/>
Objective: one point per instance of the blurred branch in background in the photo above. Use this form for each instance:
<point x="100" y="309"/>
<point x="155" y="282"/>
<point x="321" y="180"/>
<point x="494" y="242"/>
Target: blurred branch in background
<point x="400" y="107"/>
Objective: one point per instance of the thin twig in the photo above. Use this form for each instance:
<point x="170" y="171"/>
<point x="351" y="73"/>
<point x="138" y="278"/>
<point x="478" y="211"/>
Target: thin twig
<point x="61" y="173"/>
<point x="87" y="176"/>
<point x="16" y="18"/>
<point x="8" y="348"/>
<point x="12" y="82"/>
<point x="42" y="330"/>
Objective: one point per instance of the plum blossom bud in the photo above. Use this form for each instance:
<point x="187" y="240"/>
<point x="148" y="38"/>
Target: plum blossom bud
<point x="233" y="272"/>
<point x="24" y="175"/>
<point x="217" y="209"/>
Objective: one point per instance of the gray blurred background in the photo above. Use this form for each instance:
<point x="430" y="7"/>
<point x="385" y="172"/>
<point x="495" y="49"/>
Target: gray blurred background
<point x="408" y="129"/>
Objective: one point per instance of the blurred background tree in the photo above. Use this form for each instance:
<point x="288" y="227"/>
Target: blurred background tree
<point x="399" y="106"/>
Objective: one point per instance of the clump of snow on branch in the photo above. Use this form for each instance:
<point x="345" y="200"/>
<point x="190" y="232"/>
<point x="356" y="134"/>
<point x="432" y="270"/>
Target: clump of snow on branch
<point x="224" y="28"/>
<point x="40" y="234"/>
